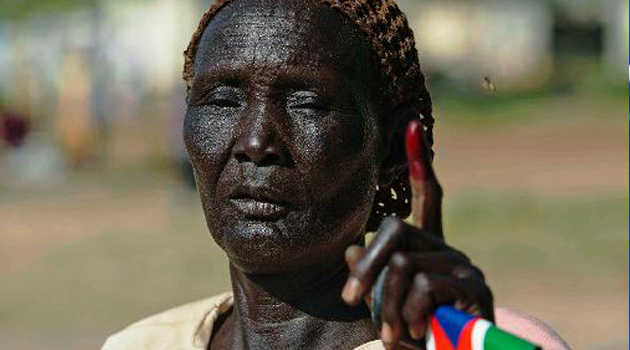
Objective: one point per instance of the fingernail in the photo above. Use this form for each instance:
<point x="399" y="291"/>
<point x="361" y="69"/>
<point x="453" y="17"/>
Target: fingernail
<point x="417" y="332"/>
<point x="387" y="334"/>
<point x="351" y="290"/>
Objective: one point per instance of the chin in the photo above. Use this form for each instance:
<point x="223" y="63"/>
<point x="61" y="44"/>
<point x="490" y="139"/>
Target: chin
<point x="259" y="247"/>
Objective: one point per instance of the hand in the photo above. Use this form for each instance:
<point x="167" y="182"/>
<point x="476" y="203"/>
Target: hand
<point x="423" y="271"/>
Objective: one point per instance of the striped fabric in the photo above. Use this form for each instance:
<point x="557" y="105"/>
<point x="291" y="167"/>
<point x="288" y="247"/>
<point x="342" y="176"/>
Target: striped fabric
<point x="451" y="329"/>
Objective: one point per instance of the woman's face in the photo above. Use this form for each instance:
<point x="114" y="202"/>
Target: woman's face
<point x="283" y="132"/>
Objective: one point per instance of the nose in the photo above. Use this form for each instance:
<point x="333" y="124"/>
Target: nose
<point x="260" y="144"/>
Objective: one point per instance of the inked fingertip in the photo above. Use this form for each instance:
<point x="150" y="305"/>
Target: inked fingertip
<point x="414" y="130"/>
<point x="414" y="147"/>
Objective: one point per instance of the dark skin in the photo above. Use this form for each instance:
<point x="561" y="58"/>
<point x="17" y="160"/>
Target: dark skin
<point x="289" y="134"/>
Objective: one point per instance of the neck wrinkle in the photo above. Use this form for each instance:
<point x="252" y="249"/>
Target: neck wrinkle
<point x="295" y="310"/>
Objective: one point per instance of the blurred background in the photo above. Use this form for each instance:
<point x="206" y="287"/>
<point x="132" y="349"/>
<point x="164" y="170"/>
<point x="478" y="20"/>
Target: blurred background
<point x="100" y="224"/>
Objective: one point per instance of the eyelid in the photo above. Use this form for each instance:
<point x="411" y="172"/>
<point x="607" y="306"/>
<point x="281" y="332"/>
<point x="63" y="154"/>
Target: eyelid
<point x="222" y="93"/>
<point x="221" y="88"/>
<point x="307" y="99"/>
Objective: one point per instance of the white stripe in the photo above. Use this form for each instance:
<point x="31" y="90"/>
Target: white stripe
<point x="480" y="329"/>
<point x="430" y="339"/>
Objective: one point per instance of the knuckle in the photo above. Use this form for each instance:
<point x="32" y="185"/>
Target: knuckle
<point x="362" y="269"/>
<point x="399" y="261"/>
<point x="389" y="220"/>
<point x="392" y="224"/>
<point x="421" y="282"/>
<point x="468" y="273"/>
<point x="392" y="229"/>
<point x="418" y="301"/>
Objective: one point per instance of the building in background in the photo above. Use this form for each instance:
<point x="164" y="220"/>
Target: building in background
<point x="80" y="74"/>
<point x="88" y="75"/>
<point x="508" y="40"/>
<point x="615" y="21"/>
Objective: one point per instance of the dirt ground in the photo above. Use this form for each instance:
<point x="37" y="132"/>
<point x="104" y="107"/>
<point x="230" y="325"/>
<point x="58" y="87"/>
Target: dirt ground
<point x="96" y="211"/>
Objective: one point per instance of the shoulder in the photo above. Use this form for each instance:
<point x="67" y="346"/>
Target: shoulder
<point x="185" y="327"/>
<point x="530" y="328"/>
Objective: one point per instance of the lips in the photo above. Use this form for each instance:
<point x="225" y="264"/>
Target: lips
<point x="260" y="204"/>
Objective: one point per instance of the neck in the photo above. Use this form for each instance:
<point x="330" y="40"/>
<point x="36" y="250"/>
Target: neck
<point x="297" y="310"/>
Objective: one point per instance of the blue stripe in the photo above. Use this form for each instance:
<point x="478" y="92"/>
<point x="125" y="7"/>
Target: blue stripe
<point x="452" y="321"/>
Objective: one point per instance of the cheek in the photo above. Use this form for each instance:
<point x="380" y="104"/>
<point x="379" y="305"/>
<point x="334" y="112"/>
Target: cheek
<point x="331" y="142"/>
<point x="346" y="179"/>
<point x="338" y="146"/>
<point x="207" y="140"/>
<point x="352" y="138"/>
<point x="339" y="165"/>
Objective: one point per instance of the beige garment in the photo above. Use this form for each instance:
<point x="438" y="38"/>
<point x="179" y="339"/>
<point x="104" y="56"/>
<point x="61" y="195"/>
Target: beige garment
<point x="189" y="327"/>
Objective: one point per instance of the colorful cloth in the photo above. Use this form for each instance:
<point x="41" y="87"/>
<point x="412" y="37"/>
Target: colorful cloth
<point x="452" y="329"/>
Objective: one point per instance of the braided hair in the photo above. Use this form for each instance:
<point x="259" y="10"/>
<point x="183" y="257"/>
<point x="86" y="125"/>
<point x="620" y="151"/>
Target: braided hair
<point x="392" y="40"/>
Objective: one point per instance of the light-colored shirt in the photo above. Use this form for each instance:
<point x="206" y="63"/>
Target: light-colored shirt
<point x="189" y="327"/>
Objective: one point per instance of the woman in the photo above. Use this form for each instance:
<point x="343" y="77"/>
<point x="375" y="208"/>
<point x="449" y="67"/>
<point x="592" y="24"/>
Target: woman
<point x="297" y="111"/>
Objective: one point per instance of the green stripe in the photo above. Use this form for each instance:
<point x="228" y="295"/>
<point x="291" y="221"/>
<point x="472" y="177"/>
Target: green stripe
<point x="497" y="339"/>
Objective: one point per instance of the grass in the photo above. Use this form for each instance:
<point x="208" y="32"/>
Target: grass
<point x="108" y="280"/>
<point x="557" y="234"/>
<point x="117" y="275"/>
<point x="139" y="244"/>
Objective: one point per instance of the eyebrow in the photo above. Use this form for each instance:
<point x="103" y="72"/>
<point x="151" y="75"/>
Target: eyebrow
<point x="295" y="77"/>
<point x="219" y="75"/>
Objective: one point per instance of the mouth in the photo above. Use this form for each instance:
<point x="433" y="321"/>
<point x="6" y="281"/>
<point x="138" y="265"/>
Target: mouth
<point x="259" y="204"/>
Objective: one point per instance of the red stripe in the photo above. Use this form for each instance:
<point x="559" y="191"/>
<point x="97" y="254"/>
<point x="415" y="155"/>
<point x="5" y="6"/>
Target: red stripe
<point x="465" y="337"/>
<point x="441" y="339"/>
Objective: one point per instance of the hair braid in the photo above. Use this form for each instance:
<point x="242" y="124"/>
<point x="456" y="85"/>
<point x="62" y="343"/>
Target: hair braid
<point x="392" y="40"/>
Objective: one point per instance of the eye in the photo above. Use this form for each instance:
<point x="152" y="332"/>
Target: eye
<point x="310" y="105"/>
<point x="223" y="97"/>
<point x="306" y="100"/>
<point x="223" y="103"/>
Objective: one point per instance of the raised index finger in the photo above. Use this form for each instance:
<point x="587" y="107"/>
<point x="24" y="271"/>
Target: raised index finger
<point x="426" y="199"/>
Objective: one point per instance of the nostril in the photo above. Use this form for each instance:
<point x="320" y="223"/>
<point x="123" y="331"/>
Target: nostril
<point x="269" y="159"/>
<point x="242" y="158"/>
<point x="261" y="147"/>
<point x="239" y="152"/>
<point x="254" y="152"/>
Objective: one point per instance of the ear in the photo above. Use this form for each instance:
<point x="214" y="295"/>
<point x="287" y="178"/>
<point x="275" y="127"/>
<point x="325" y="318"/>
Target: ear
<point x="395" y="158"/>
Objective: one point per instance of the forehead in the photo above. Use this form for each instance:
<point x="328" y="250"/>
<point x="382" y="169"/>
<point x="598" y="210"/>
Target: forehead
<point x="269" y="35"/>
